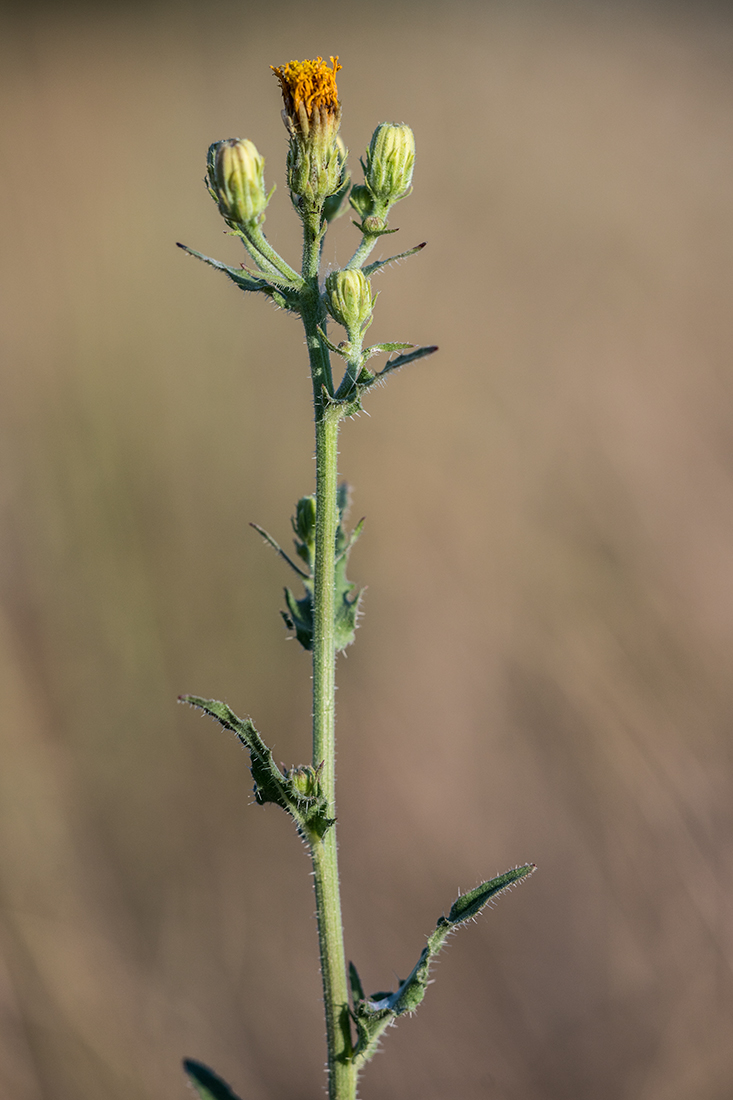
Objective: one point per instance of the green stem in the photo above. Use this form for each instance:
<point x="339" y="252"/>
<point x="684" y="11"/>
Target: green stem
<point x="266" y="258"/>
<point x="341" y="1069"/>
<point x="362" y="253"/>
<point x="368" y="240"/>
<point x="324" y="654"/>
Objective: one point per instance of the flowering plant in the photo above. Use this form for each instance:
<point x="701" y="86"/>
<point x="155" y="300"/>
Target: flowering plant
<point x="324" y="617"/>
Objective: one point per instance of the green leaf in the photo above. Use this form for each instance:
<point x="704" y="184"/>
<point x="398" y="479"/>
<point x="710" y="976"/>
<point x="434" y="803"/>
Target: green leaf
<point x="281" y="292"/>
<point x="299" y="614"/>
<point x="375" y="1014"/>
<point x="469" y="905"/>
<point x="298" y="792"/>
<point x="351" y="401"/>
<point x="208" y="1084"/>
<point x="346" y="606"/>
<point x="342" y="350"/>
<point x="380" y="349"/>
<point x="269" y="780"/>
<point x="403" y="360"/>
<point x="275" y="546"/>
<point x="378" y="264"/>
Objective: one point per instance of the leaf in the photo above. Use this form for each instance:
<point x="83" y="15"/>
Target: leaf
<point x="277" y="289"/>
<point x="299" y="614"/>
<point x="375" y="1014"/>
<point x="403" y="360"/>
<point x="346" y="606"/>
<point x="298" y="793"/>
<point x="350" y="401"/>
<point x="378" y="264"/>
<point x="380" y="349"/>
<point x="469" y="905"/>
<point x="208" y="1084"/>
<point x="343" y="350"/>
<point x="269" y="780"/>
<point x="275" y="546"/>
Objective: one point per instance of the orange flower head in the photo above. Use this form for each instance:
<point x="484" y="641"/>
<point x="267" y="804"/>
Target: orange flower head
<point x="309" y="93"/>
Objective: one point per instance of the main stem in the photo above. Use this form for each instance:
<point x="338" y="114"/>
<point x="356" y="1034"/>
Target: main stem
<point x="341" y="1070"/>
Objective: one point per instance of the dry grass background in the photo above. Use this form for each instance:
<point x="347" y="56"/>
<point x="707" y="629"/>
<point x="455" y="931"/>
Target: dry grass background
<point x="543" y="670"/>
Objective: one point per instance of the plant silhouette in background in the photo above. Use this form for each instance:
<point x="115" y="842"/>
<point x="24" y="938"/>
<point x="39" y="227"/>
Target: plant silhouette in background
<point x="323" y="617"/>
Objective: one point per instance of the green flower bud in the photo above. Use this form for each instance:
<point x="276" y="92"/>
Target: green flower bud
<point x="390" y="160"/>
<point x="305" y="781"/>
<point x="236" y="181"/>
<point x="349" y="299"/>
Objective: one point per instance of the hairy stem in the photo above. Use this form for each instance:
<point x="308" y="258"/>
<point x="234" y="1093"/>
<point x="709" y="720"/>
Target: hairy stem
<point x="341" y="1070"/>
<point x="265" y="256"/>
<point x="362" y="253"/>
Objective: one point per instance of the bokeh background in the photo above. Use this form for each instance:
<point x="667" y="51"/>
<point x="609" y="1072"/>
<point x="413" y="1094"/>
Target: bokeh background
<point x="543" y="670"/>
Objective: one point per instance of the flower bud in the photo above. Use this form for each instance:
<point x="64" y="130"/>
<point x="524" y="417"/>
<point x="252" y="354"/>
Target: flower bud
<point x="349" y="299"/>
<point x="305" y="781"/>
<point x="390" y="161"/>
<point x="236" y="180"/>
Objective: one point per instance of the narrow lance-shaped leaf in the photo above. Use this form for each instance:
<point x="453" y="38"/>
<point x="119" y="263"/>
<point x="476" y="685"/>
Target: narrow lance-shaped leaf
<point x="375" y="1014"/>
<point x="409" y="357"/>
<point x="207" y="1084"/>
<point x="382" y="349"/>
<point x="379" y="264"/>
<point x="468" y="905"/>
<point x="279" y="550"/>
<point x="276" y="288"/>
<point x="298" y="792"/>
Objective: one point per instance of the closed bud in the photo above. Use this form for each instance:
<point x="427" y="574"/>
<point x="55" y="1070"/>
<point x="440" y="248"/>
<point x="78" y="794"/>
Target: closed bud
<point x="349" y="299"/>
<point x="390" y="161"/>
<point x="236" y="180"/>
<point x="305" y="781"/>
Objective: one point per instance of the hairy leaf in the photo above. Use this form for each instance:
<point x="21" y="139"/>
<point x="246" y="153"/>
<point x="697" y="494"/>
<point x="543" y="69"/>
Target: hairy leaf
<point x="298" y="792"/>
<point x="375" y="1014"/>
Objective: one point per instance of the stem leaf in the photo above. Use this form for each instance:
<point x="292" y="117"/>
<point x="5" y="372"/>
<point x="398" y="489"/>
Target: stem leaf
<point x="299" y="614"/>
<point x="375" y="1014"/>
<point x="378" y="264"/>
<point x="298" y="792"/>
<point x="207" y="1084"/>
<point x="469" y="905"/>
<point x="279" y="550"/>
<point x="380" y="349"/>
<point x="410" y="357"/>
<point x="282" y="293"/>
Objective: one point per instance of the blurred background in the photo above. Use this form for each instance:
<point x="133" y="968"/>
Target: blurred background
<point x="543" y="667"/>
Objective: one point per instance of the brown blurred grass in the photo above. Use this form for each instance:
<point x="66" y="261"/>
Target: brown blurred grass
<point x="543" y="669"/>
